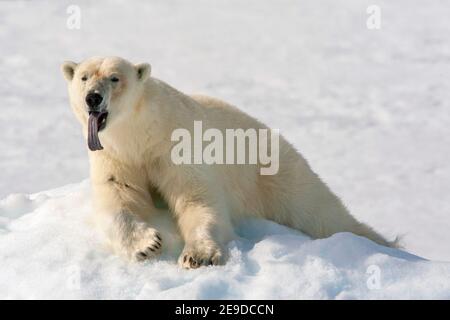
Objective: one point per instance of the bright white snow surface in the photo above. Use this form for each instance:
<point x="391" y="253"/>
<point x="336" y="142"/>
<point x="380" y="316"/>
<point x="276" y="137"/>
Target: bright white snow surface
<point x="368" y="108"/>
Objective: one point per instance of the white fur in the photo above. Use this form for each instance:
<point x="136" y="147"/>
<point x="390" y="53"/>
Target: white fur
<point x="207" y="200"/>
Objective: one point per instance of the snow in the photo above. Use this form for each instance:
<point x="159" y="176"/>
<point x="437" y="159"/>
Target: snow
<point x="48" y="250"/>
<point x="367" y="108"/>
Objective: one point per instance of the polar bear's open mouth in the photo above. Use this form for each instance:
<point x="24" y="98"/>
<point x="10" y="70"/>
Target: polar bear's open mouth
<point x="96" y="122"/>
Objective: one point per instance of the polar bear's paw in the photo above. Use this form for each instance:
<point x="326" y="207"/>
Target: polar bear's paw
<point x="201" y="253"/>
<point x="147" y="244"/>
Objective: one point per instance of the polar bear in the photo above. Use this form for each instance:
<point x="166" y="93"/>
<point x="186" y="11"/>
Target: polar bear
<point x="128" y="118"/>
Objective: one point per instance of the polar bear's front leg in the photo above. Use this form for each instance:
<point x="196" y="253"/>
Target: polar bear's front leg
<point x="121" y="213"/>
<point x="205" y="231"/>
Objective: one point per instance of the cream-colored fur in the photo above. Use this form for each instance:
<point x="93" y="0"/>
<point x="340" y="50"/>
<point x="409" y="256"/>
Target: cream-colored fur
<point x="207" y="200"/>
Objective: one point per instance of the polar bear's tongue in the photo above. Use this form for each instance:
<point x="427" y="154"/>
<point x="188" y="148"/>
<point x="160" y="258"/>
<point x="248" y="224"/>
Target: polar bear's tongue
<point x="96" y="122"/>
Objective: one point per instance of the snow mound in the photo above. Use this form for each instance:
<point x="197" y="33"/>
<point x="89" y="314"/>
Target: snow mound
<point x="49" y="250"/>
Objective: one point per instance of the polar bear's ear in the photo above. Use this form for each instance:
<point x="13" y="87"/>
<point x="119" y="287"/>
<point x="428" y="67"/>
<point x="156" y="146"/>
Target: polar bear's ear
<point x="143" y="71"/>
<point x="68" y="69"/>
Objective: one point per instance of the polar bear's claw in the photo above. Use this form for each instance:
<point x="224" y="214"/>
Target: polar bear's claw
<point x="148" y="246"/>
<point x="202" y="253"/>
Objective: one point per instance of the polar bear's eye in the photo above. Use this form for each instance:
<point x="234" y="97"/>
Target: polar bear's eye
<point x="83" y="78"/>
<point x="114" y="79"/>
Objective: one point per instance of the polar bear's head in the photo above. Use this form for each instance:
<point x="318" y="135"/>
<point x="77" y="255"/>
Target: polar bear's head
<point x="103" y="91"/>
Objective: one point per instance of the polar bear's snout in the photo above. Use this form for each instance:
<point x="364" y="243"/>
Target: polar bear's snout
<point x="93" y="101"/>
<point x="98" y="95"/>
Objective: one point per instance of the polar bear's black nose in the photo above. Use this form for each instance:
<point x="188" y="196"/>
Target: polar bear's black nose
<point x="93" y="100"/>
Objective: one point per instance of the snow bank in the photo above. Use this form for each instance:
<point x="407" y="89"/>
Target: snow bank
<point x="49" y="250"/>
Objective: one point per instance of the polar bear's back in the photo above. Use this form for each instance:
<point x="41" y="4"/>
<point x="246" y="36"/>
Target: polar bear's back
<point x="210" y="102"/>
<point x="226" y="114"/>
